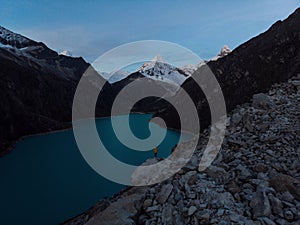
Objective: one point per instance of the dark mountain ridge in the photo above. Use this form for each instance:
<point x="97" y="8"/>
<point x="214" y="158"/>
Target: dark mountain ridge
<point x="270" y="57"/>
<point x="37" y="87"/>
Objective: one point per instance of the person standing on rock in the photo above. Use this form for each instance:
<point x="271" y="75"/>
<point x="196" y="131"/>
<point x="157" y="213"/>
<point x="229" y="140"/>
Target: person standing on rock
<point x="155" y="150"/>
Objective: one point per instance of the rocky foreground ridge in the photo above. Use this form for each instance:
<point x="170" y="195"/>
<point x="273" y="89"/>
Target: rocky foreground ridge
<point x="254" y="180"/>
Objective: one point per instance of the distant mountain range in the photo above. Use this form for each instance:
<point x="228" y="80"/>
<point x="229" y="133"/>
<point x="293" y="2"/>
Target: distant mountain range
<point x="38" y="84"/>
<point x="157" y="69"/>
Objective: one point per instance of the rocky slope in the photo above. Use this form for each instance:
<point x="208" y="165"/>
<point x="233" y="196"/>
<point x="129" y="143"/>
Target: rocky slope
<point x="254" y="180"/>
<point x="272" y="56"/>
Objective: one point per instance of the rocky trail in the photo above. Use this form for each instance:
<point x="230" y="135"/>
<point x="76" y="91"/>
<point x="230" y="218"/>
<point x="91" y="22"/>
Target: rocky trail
<point x="255" y="178"/>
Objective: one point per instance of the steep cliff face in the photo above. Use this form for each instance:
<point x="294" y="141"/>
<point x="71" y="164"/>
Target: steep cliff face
<point x="272" y="56"/>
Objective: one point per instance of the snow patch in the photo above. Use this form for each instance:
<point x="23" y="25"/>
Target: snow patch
<point x="225" y="50"/>
<point x="189" y="69"/>
<point x="66" y="53"/>
<point x="158" y="69"/>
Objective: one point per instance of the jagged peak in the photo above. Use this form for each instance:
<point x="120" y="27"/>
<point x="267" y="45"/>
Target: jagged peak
<point x="66" y="53"/>
<point x="158" y="58"/>
<point x="225" y="50"/>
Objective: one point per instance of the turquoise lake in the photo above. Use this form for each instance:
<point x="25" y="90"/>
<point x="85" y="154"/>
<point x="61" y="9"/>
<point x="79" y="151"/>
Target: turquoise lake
<point x="45" y="180"/>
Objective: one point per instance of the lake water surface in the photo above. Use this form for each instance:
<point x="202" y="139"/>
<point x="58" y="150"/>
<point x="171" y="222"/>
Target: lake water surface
<point x="45" y="180"/>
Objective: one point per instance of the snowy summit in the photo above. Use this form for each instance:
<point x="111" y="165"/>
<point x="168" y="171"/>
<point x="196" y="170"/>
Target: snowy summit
<point x="224" y="51"/>
<point x="158" y="69"/>
<point x="66" y="53"/>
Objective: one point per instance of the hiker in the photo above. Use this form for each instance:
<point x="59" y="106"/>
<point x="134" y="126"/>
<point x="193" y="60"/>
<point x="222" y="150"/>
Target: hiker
<point x="155" y="150"/>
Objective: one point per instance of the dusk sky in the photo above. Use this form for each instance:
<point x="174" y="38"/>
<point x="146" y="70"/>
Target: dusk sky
<point x="89" y="28"/>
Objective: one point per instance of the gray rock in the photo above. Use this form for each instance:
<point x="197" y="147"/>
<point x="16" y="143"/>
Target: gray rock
<point x="122" y="210"/>
<point x="164" y="193"/>
<point x="250" y="222"/>
<point x="237" y="142"/>
<point x="283" y="183"/>
<point x="166" y="216"/>
<point x="192" y="210"/>
<point x="203" y="205"/>
<point x="262" y="101"/>
<point x="223" y="200"/>
<point x="233" y="188"/>
<point x="260" y="204"/>
<point x="288" y="215"/>
<point x="261" y="167"/>
<point x="287" y="196"/>
<point x="147" y="203"/>
<point x="215" y="172"/>
<point x="244" y="172"/>
<point x="178" y="219"/>
<point x="236" y="119"/>
<point x="234" y="217"/>
<point x="203" y="216"/>
<point x="220" y="212"/>
<point x="267" y="221"/>
<point x="276" y="205"/>
<point x="153" y="208"/>
<point x="296" y="83"/>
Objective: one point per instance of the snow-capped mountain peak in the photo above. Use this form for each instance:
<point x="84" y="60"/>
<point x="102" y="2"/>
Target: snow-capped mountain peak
<point x="158" y="69"/>
<point x="225" y="50"/>
<point x="66" y="53"/>
<point x="158" y="58"/>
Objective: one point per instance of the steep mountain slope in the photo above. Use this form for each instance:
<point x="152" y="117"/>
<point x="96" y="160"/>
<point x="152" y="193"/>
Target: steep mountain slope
<point x="272" y="56"/>
<point x="37" y="87"/>
<point x="142" y="85"/>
